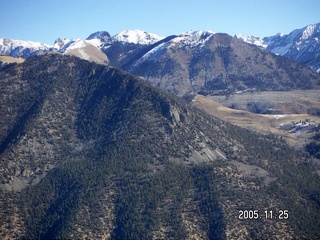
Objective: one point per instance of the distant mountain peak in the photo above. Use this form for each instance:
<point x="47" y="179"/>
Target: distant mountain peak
<point x="197" y="32"/>
<point x="193" y="38"/>
<point x="137" y="37"/>
<point x="25" y="43"/>
<point x="22" y="48"/>
<point x="301" y="45"/>
<point x="102" y="35"/>
<point x="252" y="40"/>
<point x="62" y="43"/>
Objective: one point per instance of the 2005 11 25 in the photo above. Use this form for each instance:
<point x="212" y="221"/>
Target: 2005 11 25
<point x="266" y="214"/>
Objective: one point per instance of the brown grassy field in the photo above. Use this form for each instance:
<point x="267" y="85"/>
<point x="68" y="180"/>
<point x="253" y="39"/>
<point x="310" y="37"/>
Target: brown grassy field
<point x="281" y="102"/>
<point x="8" y="59"/>
<point x="287" y="106"/>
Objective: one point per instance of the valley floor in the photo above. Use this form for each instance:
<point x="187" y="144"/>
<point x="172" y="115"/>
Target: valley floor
<point x="294" y="115"/>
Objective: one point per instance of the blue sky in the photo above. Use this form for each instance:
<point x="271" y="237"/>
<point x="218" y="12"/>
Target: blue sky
<point x="46" y="20"/>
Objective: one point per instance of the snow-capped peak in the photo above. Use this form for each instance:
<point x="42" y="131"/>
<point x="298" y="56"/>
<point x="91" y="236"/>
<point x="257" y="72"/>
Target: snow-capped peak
<point x="198" y="33"/>
<point x="252" y="40"/>
<point x="137" y="37"/>
<point x="22" y="43"/>
<point x="104" y="36"/>
<point x="62" y="43"/>
<point x="301" y="45"/>
<point x="21" y="48"/>
<point x="193" y="38"/>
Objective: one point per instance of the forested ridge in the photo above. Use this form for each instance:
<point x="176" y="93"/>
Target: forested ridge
<point x="91" y="151"/>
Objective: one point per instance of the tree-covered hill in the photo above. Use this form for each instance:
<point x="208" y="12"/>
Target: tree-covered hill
<point x="90" y="151"/>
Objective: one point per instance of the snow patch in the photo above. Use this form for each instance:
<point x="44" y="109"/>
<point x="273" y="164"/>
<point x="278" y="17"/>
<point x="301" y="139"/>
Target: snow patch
<point x="193" y="38"/>
<point x="21" y="43"/>
<point x="78" y="44"/>
<point x="137" y="37"/>
<point x="152" y="54"/>
<point x="308" y="31"/>
<point x="252" y="40"/>
<point x="95" y="42"/>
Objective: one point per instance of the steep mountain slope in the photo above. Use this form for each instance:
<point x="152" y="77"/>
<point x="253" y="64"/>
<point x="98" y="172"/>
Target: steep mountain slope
<point x="210" y="63"/>
<point x="86" y="49"/>
<point x="301" y="45"/>
<point x="92" y="97"/>
<point x="89" y="151"/>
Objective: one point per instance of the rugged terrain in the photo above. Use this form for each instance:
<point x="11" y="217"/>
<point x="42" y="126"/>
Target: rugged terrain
<point x="197" y="62"/>
<point x="301" y="45"/>
<point x="218" y="64"/>
<point x="90" y="151"/>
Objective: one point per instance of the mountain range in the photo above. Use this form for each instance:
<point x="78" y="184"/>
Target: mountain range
<point x="211" y="64"/>
<point x="90" y="151"/>
<point x="301" y="45"/>
<point x="196" y="61"/>
<point x="26" y="49"/>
